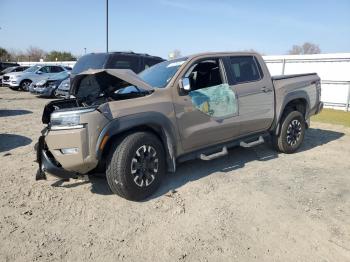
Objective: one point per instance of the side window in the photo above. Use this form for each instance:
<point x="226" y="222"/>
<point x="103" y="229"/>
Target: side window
<point x="208" y="92"/>
<point x="125" y="62"/>
<point x="244" y="69"/>
<point x="204" y="74"/>
<point x="55" y="69"/>
<point x="45" y="69"/>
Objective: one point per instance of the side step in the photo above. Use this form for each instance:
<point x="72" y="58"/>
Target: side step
<point x="215" y="155"/>
<point x="251" y="144"/>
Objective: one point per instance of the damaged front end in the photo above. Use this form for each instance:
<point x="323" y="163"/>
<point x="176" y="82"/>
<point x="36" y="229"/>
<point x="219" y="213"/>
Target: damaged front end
<point x="66" y="148"/>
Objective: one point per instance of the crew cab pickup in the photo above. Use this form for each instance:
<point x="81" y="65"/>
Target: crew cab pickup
<point x="135" y="128"/>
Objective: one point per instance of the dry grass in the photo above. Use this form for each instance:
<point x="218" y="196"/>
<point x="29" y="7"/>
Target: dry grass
<point x="332" y="116"/>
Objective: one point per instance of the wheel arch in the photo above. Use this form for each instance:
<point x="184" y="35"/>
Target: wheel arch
<point x="154" y="123"/>
<point x="296" y="101"/>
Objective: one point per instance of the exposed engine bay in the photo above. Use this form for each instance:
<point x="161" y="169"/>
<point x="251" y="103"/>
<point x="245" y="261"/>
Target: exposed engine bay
<point x="93" y="90"/>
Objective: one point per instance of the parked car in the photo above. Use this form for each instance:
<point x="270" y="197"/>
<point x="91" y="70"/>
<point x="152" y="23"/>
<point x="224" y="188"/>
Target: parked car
<point x="192" y="107"/>
<point x="63" y="89"/>
<point x="12" y="69"/>
<point x="22" y="80"/>
<point x="47" y="87"/>
<point x="4" y="65"/>
<point x="115" y="60"/>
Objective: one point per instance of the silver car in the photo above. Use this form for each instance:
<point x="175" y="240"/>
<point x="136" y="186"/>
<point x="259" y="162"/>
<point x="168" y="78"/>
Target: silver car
<point x="63" y="89"/>
<point x="47" y="87"/>
<point x="22" y="80"/>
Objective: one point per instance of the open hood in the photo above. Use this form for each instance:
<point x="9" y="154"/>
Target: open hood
<point x="106" y="81"/>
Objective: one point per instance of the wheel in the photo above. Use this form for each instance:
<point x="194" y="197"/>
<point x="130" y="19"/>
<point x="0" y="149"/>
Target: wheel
<point x="292" y="133"/>
<point x="135" y="166"/>
<point x="25" y="85"/>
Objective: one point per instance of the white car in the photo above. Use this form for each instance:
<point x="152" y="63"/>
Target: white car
<point x="22" y="80"/>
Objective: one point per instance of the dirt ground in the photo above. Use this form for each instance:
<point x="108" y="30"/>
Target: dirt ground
<point x="252" y="205"/>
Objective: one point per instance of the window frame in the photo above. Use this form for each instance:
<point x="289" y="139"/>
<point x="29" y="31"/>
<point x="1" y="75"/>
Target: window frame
<point x="231" y="76"/>
<point x="222" y="69"/>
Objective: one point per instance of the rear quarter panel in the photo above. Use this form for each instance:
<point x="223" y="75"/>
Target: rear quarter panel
<point x="299" y="87"/>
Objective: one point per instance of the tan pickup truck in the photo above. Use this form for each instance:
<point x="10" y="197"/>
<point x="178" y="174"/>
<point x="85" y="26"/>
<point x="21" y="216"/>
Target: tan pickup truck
<point x="135" y="128"/>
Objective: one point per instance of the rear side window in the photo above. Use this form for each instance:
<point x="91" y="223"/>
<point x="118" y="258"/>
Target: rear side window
<point x="125" y="62"/>
<point x="55" y="69"/>
<point x="244" y="69"/>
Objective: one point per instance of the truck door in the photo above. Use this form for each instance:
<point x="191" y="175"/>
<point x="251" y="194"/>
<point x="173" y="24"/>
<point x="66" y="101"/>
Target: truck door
<point x="254" y="91"/>
<point x="206" y="112"/>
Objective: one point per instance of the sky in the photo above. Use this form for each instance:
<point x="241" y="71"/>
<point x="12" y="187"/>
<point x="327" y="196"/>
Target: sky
<point x="157" y="27"/>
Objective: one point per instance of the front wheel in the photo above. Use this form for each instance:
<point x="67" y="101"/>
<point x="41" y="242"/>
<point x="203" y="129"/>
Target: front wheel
<point x="292" y="133"/>
<point x="135" y="166"/>
<point x="25" y="85"/>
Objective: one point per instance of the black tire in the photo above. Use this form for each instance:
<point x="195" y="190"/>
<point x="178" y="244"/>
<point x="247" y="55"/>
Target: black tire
<point x="129" y="169"/>
<point x="25" y="85"/>
<point x="292" y="133"/>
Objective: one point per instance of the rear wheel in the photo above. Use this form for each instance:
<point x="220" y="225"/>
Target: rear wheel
<point x="25" y="85"/>
<point x="135" y="166"/>
<point x="292" y="133"/>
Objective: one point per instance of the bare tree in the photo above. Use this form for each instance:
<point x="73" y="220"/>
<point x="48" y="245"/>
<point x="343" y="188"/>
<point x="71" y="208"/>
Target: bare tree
<point x="35" y="54"/>
<point x="4" y="54"/>
<point x="306" y="48"/>
<point x="175" y="54"/>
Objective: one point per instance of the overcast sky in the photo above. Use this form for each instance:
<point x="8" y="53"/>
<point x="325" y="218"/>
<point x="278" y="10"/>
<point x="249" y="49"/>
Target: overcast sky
<point x="159" y="26"/>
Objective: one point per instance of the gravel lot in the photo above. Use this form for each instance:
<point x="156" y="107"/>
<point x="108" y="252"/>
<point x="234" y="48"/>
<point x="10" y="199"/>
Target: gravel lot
<point x="252" y="205"/>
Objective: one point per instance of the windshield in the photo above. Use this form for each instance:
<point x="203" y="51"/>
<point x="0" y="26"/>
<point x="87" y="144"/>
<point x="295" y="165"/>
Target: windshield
<point x="32" y="69"/>
<point x="90" y="61"/>
<point x="9" y="69"/>
<point x="60" y="76"/>
<point x="160" y="74"/>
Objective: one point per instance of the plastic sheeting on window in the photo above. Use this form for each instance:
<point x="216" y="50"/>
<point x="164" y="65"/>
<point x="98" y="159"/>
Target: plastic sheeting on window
<point x="215" y="101"/>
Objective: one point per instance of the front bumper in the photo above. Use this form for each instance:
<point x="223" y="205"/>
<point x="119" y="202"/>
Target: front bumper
<point x="10" y="83"/>
<point x="47" y="163"/>
<point x="61" y="93"/>
<point x="43" y="91"/>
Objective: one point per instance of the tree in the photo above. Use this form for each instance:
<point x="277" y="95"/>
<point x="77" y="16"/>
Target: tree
<point x="35" y="54"/>
<point x="306" y="48"/>
<point x="60" y="56"/>
<point x="4" y="55"/>
<point x="175" y="54"/>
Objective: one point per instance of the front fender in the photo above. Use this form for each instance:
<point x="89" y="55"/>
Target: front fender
<point x="155" y="120"/>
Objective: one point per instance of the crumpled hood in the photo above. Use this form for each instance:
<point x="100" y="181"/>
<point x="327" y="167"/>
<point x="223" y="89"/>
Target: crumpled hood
<point x="110" y="80"/>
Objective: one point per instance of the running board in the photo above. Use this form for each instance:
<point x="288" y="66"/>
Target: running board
<point x="215" y="155"/>
<point x="251" y="144"/>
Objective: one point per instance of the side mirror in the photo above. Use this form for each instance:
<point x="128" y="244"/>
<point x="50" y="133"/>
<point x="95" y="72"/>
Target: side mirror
<point x="185" y="84"/>
<point x="39" y="72"/>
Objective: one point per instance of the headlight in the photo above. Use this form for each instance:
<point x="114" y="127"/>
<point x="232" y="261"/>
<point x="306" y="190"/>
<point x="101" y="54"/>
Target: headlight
<point x="41" y="83"/>
<point x="53" y="84"/>
<point x="15" y="76"/>
<point x="68" y="119"/>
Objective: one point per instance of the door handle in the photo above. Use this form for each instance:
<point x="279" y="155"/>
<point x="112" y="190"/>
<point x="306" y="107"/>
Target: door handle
<point x="266" y="90"/>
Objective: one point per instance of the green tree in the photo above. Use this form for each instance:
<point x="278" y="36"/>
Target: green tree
<point x="60" y="56"/>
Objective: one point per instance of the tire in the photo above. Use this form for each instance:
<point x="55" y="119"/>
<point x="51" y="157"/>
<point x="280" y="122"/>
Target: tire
<point x="25" y="85"/>
<point x="292" y="133"/>
<point x="136" y="166"/>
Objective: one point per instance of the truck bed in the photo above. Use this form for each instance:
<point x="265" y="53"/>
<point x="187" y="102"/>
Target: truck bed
<point x="304" y="86"/>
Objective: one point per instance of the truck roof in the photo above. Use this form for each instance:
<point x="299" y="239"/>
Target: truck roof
<point x="225" y="53"/>
<point x="128" y="53"/>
